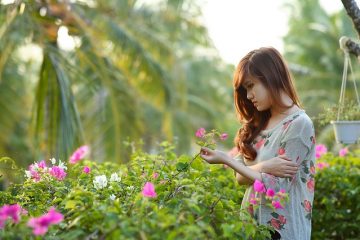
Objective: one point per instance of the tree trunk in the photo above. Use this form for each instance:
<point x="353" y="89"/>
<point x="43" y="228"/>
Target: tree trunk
<point x="353" y="11"/>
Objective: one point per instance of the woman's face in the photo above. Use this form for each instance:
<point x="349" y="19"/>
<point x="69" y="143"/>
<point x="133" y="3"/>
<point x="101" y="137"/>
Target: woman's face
<point x="257" y="94"/>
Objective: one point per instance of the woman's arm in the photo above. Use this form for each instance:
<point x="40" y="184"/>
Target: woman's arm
<point x="278" y="166"/>
<point x="218" y="157"/>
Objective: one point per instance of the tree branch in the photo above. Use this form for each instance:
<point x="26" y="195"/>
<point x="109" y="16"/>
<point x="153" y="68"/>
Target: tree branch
<point x="353" y="47"/>
<point x="353" y="11"/>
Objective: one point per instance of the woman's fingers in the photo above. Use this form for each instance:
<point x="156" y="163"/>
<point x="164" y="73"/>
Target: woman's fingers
<point x="283" y="156"/>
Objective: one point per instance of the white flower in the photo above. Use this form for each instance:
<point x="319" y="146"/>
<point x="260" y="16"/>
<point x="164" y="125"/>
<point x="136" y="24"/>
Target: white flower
<point x="36" y="167"/>
<point x="130" y="188"/>
<point x="112" y="197"/>
<point x="62" y="165"/>
<point x="100" y="182"/>
<point x="115" y="178"/>
<point x="53" y="161"/>
<point x="27" y="174"/>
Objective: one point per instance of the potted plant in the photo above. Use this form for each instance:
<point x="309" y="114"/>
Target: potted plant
<point x="347" y="123"/>
<point x="347" y="114"/>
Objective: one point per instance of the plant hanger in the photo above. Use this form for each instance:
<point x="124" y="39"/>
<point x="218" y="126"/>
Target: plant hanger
<point x="347" y="64"/>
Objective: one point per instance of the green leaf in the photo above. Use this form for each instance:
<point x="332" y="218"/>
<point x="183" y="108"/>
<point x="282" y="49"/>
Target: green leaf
<point x="182" y="167"/>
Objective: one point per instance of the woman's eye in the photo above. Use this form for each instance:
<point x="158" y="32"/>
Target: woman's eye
<point x="250" y="86"/>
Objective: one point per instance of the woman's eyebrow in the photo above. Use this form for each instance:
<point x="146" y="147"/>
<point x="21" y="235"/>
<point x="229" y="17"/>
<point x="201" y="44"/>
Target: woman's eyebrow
<point x="246" y="82"/>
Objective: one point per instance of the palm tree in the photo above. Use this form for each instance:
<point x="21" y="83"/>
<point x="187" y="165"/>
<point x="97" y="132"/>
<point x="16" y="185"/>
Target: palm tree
<point x="134" y="72"/>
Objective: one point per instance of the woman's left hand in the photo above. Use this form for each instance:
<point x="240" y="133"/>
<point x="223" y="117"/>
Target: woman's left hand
<point x="213" y="156"/>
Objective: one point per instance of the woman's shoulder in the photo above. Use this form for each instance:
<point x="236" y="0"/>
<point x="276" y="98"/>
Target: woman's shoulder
<point x="301" y="121"/>
<point x="301" y="127"/>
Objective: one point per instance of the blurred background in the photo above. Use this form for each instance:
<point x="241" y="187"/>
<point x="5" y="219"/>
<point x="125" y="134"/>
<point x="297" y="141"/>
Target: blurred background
<point x="120" y="74"/>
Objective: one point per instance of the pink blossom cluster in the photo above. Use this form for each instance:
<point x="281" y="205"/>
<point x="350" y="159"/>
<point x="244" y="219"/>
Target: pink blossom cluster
<point x="79" y="154"/>
<point x="201" y="132"/>
<point x="10" y="211"/>
<point x="343" y="152"/>
<point x="320" y="150"/>
<point x="322" y="165"/>
<point x="41" y="224"/>
<point x="149" y="190"/>
<point x="276" y="199"/>
<point x="38" y="170"/>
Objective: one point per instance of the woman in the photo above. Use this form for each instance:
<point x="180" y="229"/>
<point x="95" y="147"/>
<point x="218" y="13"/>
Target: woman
<point x="276" y="143"/>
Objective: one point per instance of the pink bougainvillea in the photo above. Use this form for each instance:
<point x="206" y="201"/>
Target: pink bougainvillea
<point x="320" y="150"/>
<point x="200" y="132"/>
<point x="57" y="172"/>
<point x="343" y="152"/>
<point x="79" y="154"/>
<point x="259" y="186"/>
<point x="149" y="190"/>
<point x="223" y="136"/>
<point x="41" y="224"/>
<point x="10" y="211"/>
<point x="86" y="169"/>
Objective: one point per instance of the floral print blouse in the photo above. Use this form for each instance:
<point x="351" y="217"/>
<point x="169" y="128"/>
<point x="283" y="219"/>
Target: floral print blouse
<point x="294" y="137"/>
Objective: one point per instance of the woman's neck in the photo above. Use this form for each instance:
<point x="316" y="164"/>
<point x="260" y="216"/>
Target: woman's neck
<point x="277" y="112"/>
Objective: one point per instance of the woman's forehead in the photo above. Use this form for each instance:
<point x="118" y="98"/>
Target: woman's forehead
<point x="248" y="79"/>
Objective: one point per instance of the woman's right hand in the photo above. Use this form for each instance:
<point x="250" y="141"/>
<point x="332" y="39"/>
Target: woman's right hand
<point x="280" y="166"/>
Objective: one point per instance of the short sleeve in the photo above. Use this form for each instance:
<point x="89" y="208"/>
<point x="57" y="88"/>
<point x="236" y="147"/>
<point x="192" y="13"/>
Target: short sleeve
<point x="296" y="142"/>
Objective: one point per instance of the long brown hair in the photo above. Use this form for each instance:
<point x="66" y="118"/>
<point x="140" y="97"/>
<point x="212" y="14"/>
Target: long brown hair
<point x="267" y="65"/>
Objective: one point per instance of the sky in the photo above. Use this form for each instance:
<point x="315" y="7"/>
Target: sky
<point x="236" y="26"/>
<point x="239" y="26"/>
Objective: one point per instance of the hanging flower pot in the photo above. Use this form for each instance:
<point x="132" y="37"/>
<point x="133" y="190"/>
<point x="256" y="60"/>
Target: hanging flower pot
<point x="347" y="123"/>
<point x="346" y="132"/>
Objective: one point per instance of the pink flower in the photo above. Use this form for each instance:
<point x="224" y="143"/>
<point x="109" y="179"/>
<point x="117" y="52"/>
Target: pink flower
<point x="307" y="205"/>
<point x="41" y="224"/>
<point x="275" y="223"/>
<point x="281" y="193"/>
<point x="277" y="205"/>
<point x="270" y="193"/>
<point x="155" y="175"/>
<point x="281" y="151"/>
<point x="322" y="165"/>
<point x="260" y="143"/>
<point x="200" y="132"/>
<point x="343" y="152"/>
<point x="312" y="170"/>
<point x="320" y="150"/>
<point x="149" y="190"/>
<point x="42" y="164"/>
<point x="34" y="173"/>
<point x="253" y="200"/>
<point x="12" y="211"/>
<point x="259" y="186"/>
<point x="282" y="219"/>
<point x="86" y="169"/>
<point x="79" y="154"/>
<point x="311" y="184"/>
<point x="57" y="172"/>
<point x="223" y="136"/>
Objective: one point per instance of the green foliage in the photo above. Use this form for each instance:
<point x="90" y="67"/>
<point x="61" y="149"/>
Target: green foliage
<point x="349" y="112"/>
<point x="135" y="71"/>
<point x="336" y="204"/>
<point x="195" y="200"/>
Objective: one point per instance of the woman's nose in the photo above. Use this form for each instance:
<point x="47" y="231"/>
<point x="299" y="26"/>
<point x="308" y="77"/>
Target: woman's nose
<point x="249" y="95"/>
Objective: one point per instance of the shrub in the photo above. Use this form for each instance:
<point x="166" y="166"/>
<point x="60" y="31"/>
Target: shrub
<point x="336" y="204"/>
<point x="194" y="200"/>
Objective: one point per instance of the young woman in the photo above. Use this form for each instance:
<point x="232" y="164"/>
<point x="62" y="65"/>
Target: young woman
<point x="276" y="143"/>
